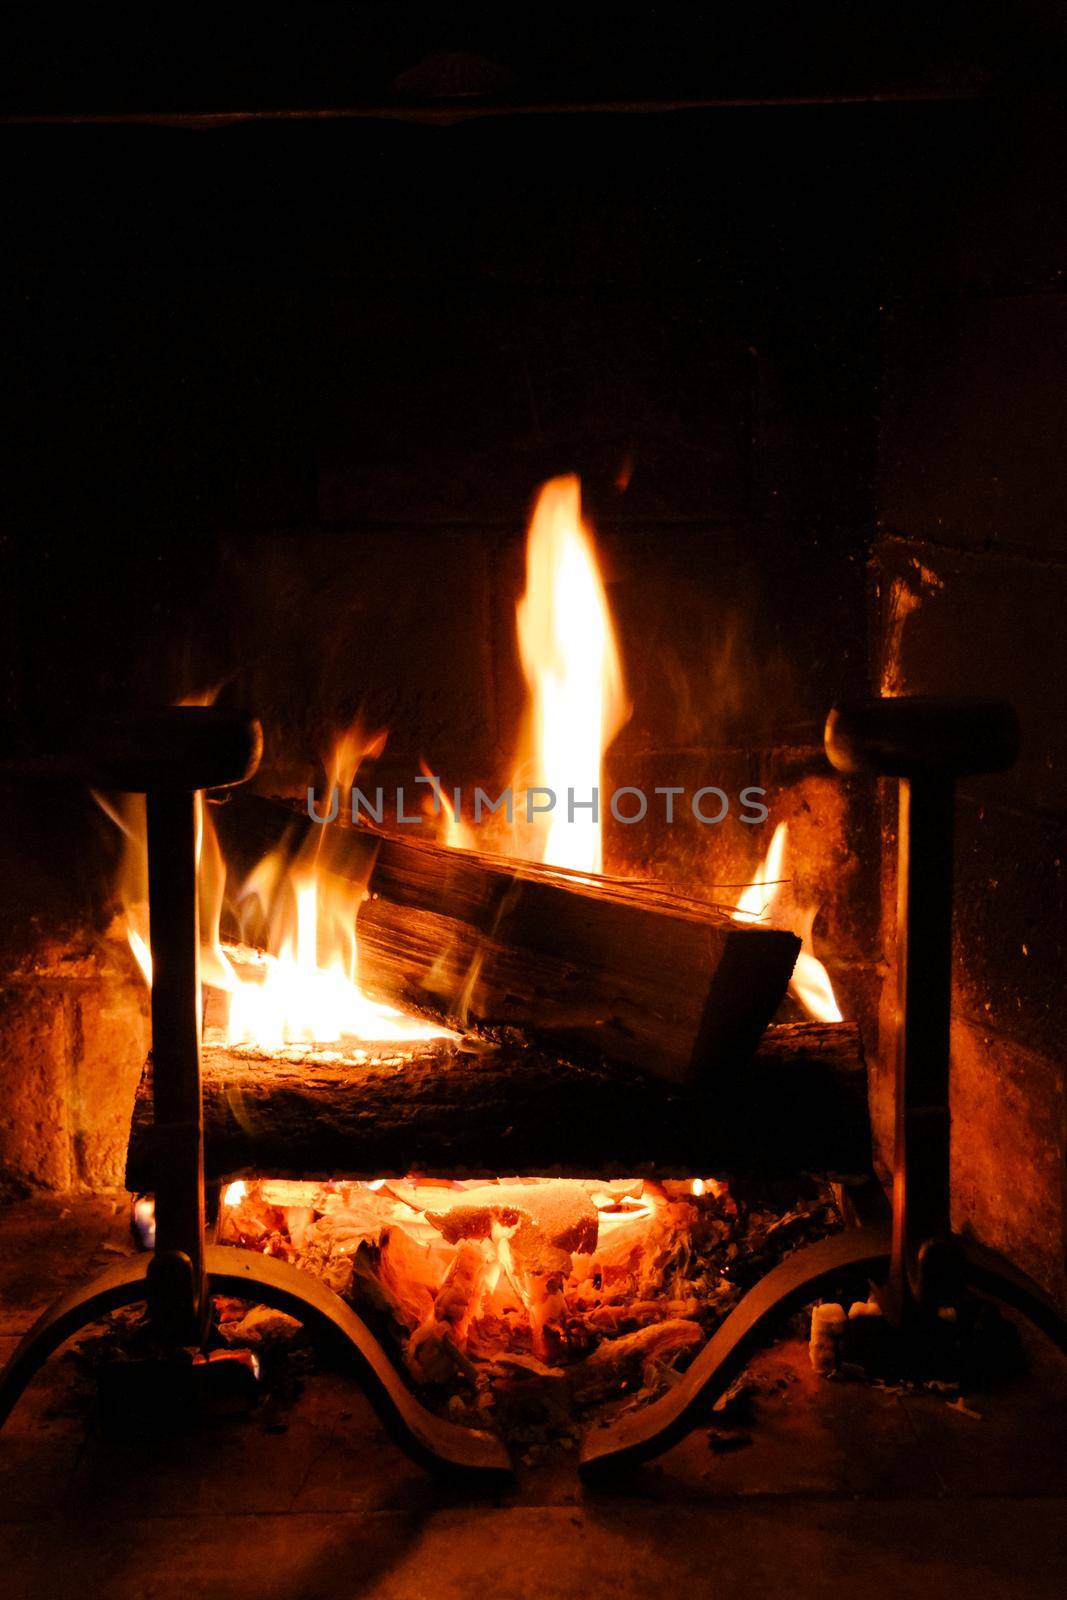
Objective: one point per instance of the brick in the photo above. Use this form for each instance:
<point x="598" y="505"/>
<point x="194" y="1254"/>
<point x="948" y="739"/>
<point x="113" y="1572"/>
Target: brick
<point x="955" y="622"/>
<point x="35" y="1039"/>
<point x="455" y="406"/>
<point x="973" y="420"/>
<point x="112" y="1040"/>
<point x="1009" y="1111"/>
<point x="986" y="624"/>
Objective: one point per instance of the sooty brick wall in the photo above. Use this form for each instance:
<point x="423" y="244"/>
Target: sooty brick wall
<point x="970" y="574"/>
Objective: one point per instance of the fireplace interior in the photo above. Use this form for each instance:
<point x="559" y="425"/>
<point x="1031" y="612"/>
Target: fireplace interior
<point x="302" y="408"/>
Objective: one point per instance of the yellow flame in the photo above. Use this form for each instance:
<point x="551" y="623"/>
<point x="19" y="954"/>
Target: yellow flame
<point x="760" y="895"/>
<point x="141" y="953"/>
<point x="454" y="832"/>
<point x="127" y="812"/>
<point x="301" y="984"/>
<point x="810" y="983"/>
<point x="569" y="654"/>
<point x="305" y="989"/>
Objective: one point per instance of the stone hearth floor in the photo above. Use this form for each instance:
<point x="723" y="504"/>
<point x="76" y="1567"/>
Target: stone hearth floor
<point x="844" y="1490"/>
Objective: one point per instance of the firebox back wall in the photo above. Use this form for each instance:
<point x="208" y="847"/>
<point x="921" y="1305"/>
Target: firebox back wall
<point x="279" y="414"/>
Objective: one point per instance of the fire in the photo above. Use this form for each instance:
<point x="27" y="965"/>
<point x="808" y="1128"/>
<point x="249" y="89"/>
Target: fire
<point x="810" y="983"/>
<point x="472" y="1267"/>
<point x="299" y="982"/>
<point x="756" y="902"/>
<point x="456" y="834"/>
<point x="127" y="812"/>
<point x="305" y="988"/>
<point x="570" y="656"/>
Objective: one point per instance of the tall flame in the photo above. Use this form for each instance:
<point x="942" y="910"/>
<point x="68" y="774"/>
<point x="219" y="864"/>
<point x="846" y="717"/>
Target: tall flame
<point x="577" y="698"/>
<point x="810" y="983"/>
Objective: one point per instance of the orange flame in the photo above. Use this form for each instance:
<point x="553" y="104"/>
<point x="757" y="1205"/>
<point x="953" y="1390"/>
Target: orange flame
<point x="127" y="812"/>
<point x="305" y="989"/>
<point x="760" y="895"/>
<point x="302" y="985"/>
<point x="455" y="833"/>
<point x="574" y="676"/>
<point x="810" y="983"/>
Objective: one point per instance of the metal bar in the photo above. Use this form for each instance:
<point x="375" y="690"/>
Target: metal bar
<point x="921" y="1161"/>
<point x="429" y="1440"/>
<point x="175" y="941"/>
<point x="642" y="1434"/>
<point x="446" y="113"/>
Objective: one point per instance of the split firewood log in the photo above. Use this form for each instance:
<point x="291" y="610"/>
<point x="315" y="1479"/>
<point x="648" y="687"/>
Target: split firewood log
<point x="596" y="968"/>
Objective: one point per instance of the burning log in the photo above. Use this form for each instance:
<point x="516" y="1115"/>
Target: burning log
<point x="440" y="1108"/>
<point x="595" y="968"/>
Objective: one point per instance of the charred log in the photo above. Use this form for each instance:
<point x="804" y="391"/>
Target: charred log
<point x="442" y="1109"/>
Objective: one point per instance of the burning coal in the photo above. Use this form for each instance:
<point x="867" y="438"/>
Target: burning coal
<point x="525" y="1302"/>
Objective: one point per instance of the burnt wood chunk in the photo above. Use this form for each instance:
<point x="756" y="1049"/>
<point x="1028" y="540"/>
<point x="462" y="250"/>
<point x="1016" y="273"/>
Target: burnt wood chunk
<point x="597" y="969"/>
<point x="442" y="1109"/>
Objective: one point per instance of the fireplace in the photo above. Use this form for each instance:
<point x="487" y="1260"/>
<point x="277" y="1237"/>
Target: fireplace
<point x="283" y="416"/>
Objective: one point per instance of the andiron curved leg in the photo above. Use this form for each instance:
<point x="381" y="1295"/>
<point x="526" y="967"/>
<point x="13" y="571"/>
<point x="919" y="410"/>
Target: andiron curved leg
<point x="121" y="1285"/>
<point x="800" y="1277"/>
<point x="429" y="1440"/>
<point x="993" y="1275"/>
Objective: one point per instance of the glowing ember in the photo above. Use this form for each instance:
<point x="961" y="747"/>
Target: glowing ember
<point x="521" y="1303"/>
<point x="574" y="674"/>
